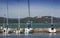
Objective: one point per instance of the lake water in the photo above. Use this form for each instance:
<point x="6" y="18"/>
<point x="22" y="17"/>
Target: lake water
<point x="34" y="25"/>
<point x="41" y="35"/>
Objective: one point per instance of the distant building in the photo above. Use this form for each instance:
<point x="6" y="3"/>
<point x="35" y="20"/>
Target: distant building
<point x="38" y="16"/>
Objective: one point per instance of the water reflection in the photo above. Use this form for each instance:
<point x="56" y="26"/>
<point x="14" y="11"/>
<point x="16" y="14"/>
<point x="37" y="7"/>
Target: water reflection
<point x="41" y="35"/>
<point x="52" y="35"/>
<point x="28" y="36"/>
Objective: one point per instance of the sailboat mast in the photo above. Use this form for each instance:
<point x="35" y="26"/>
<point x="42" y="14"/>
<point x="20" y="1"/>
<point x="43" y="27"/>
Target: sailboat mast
<point x="7" y="12"/>
<point x="4" y="21"/>
<point x="19" y="20"/>
<point x="29" y="19"/>
<point x="51" y="13"/>
<point x="51" y="20"/>
<point x="29" y="9"/>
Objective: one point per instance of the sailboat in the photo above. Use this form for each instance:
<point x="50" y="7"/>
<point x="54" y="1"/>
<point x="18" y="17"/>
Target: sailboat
<point x="4" y="29"/>
<point x="17" y="31"/>
<point x="52" y="28"/>
<point x="28" y="28"/>
<point x="7" y="30"/>
<point x="2" y="25"/>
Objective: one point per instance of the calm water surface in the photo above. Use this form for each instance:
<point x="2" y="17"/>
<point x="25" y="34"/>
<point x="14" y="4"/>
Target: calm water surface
<point x="34" y="25"/>
<point x="41" y="35"/>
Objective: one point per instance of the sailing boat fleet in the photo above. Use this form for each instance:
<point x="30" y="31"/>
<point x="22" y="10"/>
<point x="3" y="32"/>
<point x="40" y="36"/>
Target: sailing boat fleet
<point x="28" y="28"/>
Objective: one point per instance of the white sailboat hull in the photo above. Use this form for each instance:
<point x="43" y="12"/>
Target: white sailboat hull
<point x="17" y="31"/>
<point x="27" y="30"/>
<point x="52" y="31"/>
<point x="6" y="31"/>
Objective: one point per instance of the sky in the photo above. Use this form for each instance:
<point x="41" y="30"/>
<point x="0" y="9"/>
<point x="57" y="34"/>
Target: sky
<point x="19" y="8"/>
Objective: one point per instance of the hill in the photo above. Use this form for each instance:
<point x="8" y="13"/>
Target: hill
<point x="37" y="19"/>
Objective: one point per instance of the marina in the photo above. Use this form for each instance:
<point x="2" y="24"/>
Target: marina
<point x="29" y="19"/>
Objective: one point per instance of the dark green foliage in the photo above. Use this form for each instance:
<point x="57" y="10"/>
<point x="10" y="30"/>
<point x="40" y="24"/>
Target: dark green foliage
<point x="44" y="19"/>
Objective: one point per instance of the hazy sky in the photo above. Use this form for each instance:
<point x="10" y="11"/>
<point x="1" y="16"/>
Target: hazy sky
<point x="37" y="8"/>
